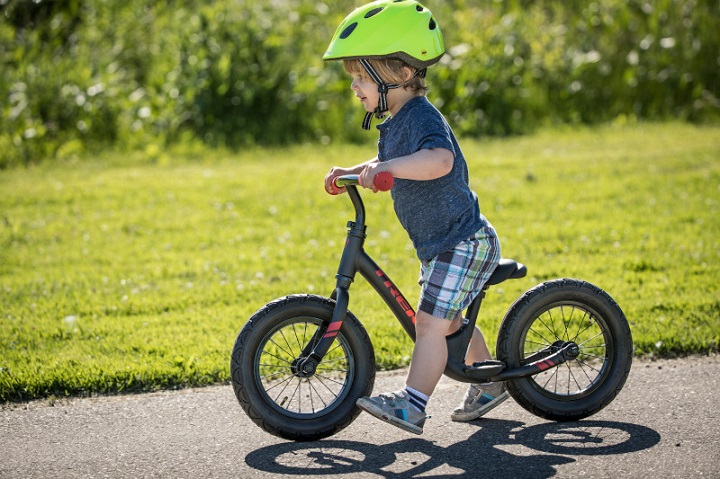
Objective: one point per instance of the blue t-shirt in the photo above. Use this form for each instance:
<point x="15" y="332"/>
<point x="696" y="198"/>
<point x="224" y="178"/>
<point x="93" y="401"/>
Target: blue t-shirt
<point x="437" y="214"/>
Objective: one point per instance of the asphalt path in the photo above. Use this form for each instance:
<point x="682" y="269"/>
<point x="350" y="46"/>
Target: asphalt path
<point x="665" y="423"/>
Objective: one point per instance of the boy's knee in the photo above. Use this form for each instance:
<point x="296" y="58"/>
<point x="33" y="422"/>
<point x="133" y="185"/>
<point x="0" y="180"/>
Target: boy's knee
<point x="426" y="323"/>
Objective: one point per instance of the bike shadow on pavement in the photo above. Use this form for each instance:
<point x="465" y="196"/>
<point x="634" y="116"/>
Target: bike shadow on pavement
<point x="507" y="448"/>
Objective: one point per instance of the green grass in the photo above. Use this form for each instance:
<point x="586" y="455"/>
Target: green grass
<point x="133" y="275"/>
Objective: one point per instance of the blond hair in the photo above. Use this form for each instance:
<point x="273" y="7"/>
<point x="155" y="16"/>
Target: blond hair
<point x="391" y="71"/>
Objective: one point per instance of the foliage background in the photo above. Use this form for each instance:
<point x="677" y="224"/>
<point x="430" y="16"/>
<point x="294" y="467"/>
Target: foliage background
<point x="80" y="75"/>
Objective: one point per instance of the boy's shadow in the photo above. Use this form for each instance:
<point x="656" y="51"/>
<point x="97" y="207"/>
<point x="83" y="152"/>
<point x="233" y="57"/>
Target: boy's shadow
<point x="480" y="452"/>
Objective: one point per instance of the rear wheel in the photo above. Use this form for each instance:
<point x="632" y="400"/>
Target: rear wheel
<point x="281" y="399"/>
<point x="567" y="310"/>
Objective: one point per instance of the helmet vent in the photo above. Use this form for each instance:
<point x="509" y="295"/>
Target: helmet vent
<point x="432" y="25"/>
<point x="348" y="30"/>
<point x="419" y="8"/>
<point x="374" y="11"/>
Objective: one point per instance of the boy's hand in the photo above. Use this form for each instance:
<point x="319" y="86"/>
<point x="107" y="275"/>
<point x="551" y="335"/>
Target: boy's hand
<point x="366" y="179"/>
<point x="334" y="172"/>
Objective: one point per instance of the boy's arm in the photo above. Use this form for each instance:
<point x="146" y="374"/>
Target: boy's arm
<point x="336" y="171"/>
<point x="357" y="169"/>
<point x="422" y="165"/>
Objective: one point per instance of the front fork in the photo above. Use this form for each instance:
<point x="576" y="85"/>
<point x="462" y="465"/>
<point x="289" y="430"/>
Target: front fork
<point x="314" y="351"/>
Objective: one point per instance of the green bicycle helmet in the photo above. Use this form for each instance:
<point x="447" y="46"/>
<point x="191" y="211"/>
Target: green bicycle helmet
<point x="402" y="29"/>
<point x="388" y="29"/>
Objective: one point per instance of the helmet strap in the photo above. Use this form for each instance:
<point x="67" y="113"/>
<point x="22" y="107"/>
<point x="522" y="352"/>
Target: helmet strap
<point x="382" y="108"/>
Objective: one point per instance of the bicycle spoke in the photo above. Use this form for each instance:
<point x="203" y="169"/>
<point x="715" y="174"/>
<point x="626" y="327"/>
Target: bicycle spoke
<point x="302" y="395"/>
<point x="584" y="358"/>
<point x="280" y="347"/>
<point x="572" y="377"/>
<point x="295" y="393"/>
<point x="552" y="330"/>
<point x="568" y="322"/>
<point x="284" y="384"/>
<point x="320" y="380"/>
<point x="333" y="360"/>
<point x="311" y="388"/>
<point x="590" y="339"/>
<point x="552" y="375"/>
<point x="582" y="366"/>
<point x="304" y="336"/>
<point x="271" y="376"/>
<point x="585" y="315"/>
<point x="528" y="352"/>
<point x="327" y="378"/>
<point x="283" y="360"/>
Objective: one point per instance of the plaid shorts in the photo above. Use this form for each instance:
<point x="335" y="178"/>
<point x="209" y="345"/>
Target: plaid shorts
<point x="451" y="280"/>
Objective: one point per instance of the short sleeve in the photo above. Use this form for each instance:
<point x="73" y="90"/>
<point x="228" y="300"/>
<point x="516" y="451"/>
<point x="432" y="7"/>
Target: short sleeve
<point x="434" y="132"/>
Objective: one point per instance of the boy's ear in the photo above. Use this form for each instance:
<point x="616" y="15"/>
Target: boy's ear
<point x="407" y="73"/>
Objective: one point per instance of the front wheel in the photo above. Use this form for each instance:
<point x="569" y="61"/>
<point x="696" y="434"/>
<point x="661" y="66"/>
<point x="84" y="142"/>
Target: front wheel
<point x="567" y="310"/>
<point x="284" y="401"/>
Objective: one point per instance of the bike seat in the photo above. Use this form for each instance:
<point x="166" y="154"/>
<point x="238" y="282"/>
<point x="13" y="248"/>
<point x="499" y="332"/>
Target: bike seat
<point x="507" y="269"/>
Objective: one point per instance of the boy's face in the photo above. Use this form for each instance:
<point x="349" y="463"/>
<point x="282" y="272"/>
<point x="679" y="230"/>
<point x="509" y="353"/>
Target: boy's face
<point x="366" y="90"/>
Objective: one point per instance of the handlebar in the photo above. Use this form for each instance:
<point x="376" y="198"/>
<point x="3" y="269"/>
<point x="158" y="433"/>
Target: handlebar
<point x="383" y="181"/>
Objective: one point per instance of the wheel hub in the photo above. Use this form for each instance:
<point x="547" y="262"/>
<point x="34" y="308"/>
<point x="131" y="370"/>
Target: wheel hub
<point x="572" y="350"/>
<point x="303" y="367"/>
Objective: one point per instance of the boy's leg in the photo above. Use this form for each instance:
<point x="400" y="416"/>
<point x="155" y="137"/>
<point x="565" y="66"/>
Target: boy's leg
<point x="478" y="350"/>
<point x="480" y="398"/>
<point x="430" y="354"/>
<point x="406" y="408"/>
<point x="447" y="282"/>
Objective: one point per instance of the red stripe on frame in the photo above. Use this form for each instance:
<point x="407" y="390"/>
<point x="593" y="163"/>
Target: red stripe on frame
<point x="545" y="365"/>
<point x="332" y="330"/>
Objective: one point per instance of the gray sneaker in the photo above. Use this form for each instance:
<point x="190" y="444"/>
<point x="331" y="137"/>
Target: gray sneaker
<point x="479" y="400"/>
<point x="396" y="409"/>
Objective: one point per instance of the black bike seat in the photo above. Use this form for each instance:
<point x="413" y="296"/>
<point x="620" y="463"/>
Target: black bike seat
<point x="507" y="269"/>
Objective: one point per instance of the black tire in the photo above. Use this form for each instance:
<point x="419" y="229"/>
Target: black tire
<point x="567" y="310"/>
<point x="283" y="403"/>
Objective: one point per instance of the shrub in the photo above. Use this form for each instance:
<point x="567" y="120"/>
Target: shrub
<point x="79" y="76"/>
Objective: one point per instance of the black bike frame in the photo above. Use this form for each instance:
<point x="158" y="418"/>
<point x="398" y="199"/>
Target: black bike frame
<point x="354" y="259"/>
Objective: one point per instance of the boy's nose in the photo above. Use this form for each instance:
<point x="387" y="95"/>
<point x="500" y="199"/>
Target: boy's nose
<point x="353" y="84"/>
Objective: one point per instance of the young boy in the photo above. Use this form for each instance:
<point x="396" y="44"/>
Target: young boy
<point x="387" y="46"/>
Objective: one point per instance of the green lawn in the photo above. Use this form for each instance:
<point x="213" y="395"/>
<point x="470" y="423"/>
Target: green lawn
<point x="137" y="275"/>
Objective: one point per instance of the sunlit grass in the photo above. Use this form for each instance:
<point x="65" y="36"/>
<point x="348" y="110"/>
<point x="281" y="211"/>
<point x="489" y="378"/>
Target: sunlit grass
<point x="132" y="278"/>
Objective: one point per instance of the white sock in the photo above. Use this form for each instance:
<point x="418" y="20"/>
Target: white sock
<point x="417" y="399"/>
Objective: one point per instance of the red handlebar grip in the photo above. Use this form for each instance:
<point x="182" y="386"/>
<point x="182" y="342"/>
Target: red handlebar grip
<point x="384" y="181"/>
<point x="334" y="190"/>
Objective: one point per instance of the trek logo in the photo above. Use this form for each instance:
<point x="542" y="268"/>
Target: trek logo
<point x="397" y="295"/>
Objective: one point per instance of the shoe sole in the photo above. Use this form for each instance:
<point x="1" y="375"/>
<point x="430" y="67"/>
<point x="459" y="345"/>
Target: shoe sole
<point x="469" y="416"/>
<point x="379" y="413"/>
